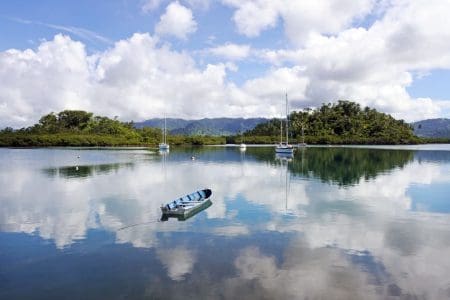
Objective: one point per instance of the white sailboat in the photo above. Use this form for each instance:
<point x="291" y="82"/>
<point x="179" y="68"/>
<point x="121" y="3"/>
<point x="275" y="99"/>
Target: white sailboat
<point x="164" y="146"/>
<point x="284" y="147"/>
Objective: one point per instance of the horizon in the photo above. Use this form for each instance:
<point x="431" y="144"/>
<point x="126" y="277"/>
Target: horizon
<point x="204" y="59"/>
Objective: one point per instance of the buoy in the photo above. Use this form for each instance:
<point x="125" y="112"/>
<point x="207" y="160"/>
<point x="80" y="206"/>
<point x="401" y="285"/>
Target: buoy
<point x="192" y="157"/>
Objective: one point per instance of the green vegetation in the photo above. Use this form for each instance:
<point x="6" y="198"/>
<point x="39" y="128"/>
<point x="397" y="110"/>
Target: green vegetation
<point x="342" y="123"/>
<point x="81" y="128"/>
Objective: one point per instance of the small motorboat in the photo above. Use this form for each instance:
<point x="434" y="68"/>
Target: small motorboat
<point x="187" y="205"/>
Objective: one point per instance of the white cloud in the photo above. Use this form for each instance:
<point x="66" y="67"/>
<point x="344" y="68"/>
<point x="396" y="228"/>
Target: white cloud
<point x="231" y="51"/>
<point x="300" y="18"/>
<point x="374" y="66"/>
<point x="151" y="5"/>
<point x="55" y="76"/>
<point x="136" y="79"/>
<point x="177" y="21"/>
<point x="252" y="17"/>
<point x="140" y="77"/>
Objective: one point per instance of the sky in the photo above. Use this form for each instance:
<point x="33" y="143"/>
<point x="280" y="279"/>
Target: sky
<point x="139" y="59"/>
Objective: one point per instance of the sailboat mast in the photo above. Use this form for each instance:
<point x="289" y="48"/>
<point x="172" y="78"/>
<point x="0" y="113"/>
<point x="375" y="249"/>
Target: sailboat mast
<point x="287" y="122"/>
<point x="281" y="129"/>
<point x="165" y="124"/>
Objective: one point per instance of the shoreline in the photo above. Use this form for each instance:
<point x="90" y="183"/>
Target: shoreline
<point x="430" y="146"/>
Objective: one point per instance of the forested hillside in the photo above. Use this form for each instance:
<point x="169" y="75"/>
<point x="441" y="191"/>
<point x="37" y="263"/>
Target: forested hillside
<point x="344" y="122"/>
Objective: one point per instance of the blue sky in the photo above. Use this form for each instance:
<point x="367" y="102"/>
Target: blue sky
<point x="233" y="58"/>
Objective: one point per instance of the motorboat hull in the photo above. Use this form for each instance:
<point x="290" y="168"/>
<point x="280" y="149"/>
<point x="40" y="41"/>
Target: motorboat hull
<point x="183" y="215"/>
<point x="284" y="149"/>
<point x="186" y="205"/>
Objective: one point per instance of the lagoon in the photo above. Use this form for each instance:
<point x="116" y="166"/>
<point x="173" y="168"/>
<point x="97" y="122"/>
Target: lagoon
<point x="329" y="223"/>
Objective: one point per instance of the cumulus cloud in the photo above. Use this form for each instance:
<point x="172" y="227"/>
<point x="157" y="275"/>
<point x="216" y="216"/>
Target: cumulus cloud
<point x="136" y="79"/>
<point x="375" y="66"/>
<point x="251" y="17"/>
<point x="231" y="51"/>
<point x="55" y="76"/>
<point x="177" y="21"/>
<point x="143" y="77"/>
<point x="300" y="18"/>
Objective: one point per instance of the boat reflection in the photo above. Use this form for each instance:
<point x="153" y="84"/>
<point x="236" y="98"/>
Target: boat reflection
<point x="284" y="156"/>
<point x="190" y="214"/>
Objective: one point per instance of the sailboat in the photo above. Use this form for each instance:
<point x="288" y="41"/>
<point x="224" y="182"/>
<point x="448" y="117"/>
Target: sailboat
<point x="164" y="146"/>
<point x="284" y="147"/>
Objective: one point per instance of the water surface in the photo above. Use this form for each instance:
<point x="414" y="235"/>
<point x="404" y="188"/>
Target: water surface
<point x="329" y="223"/>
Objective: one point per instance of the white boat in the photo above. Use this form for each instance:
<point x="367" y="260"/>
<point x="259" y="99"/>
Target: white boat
<point x="187" y="205"/>
<point x="284" y="147"/>
<point x="164" y="146"/>
<point x="242" y="146"/>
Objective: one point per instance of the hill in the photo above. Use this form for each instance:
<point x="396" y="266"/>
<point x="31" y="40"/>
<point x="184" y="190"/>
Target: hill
<point x="214" y="126"/>
<point x="344" y="122"/>
<point x="432" y="128"/>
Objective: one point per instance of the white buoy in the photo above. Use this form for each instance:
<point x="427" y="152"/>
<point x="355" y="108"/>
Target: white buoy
<point x="192" y="157"/>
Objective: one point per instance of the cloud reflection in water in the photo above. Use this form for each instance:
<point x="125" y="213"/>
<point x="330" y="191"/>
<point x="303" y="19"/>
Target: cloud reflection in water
<point x="348" y="231"/>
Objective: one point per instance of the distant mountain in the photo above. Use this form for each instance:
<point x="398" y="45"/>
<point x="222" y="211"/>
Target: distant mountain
<point x="436" y="128"/>
<point x="215" y="126"/>
<point x="159" y="123"/>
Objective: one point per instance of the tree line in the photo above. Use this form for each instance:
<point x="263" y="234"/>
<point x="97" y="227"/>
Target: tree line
<point x="344" y="122"/>
<point x="81" y="128"/>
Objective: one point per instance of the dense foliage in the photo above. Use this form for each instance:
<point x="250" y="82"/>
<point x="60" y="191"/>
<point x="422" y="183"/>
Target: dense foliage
<point x="81" y="128"/>
<point x="344" y="122"/>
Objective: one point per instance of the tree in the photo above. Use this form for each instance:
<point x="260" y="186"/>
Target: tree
<point x="49" y="123"/>
<point x="74" y="119"/>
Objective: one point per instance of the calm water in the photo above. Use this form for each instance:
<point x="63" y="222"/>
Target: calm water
<point x="331" y="223"/>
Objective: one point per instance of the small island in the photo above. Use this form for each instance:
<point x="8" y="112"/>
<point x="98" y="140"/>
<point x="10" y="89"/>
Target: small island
<point x="344" y="122"/>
